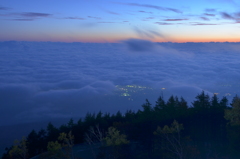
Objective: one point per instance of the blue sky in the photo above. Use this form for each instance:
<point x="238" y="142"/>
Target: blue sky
<point x="111" y="21"/>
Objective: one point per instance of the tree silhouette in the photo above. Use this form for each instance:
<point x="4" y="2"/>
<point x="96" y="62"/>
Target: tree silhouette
<point x="19" y="149"/>
<point x="171" y="139"/>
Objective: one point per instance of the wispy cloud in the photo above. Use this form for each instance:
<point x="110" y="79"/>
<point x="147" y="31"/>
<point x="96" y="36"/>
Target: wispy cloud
<point x="163" y="23"/>
<point x="156" y="33"/>
<point x="25" y="16"/>
<point x="34" y="14"/>
<point x="21" y="19"/>
<point x="150" y="18"/>
<point x="111" y="12"/>
<point x="174" y="10"/>
<point x="231" y="16"/>
<point x="28" y="15"/>
<point x="4" y="8"/>
<point x="4" y="15"/>
<point x="203" y="23"/>
<point x="226" y="15"/>
<point x="207" y="14"/>
<point x="106" y="22"/>
<point x="141" y="11"/>
<point x="143" y="33"/>
<point x="138" y="45"/>
<point x="151" y="6"/>
<point x="147" y="33"/>
<point x="210" y="10"/>
<point x="175" y="19"/>
<point x="94" y="17"/>
<point x="204" y="18"/>
<point x="74" y="18"/>
<point x="237" y="14"/>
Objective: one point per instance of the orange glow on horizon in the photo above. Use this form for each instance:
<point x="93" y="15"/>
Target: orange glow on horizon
<point x="177" y="40"/>
<point x="199" y="40"/>
<point x="114" y="39"/>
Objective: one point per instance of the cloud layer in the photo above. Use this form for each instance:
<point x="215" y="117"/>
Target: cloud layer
<point x="43" y="81"/>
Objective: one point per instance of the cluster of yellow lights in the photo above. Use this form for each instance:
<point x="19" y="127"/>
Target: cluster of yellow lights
<point x="133" y="88"/>
<point x="125" y="94"/>
<point x="130" y="88"/>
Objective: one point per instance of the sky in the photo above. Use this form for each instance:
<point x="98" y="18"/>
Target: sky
<point x="113" y="21"/>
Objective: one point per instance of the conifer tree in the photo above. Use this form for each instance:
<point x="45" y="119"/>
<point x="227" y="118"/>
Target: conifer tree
<point x="202" y="101"/>
<point x="160" y="104"/>
<point x="233" y="115"/>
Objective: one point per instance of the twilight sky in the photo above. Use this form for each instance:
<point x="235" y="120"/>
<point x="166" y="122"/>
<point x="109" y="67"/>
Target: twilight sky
<point x="110" y="21"/>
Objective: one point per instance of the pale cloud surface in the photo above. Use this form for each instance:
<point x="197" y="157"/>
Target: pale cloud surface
<point x="44" y="81"/>
<point x="110" y="21"/>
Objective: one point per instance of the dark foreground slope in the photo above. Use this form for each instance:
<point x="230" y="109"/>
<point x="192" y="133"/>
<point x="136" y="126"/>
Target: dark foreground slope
<point x="166" y="129"/>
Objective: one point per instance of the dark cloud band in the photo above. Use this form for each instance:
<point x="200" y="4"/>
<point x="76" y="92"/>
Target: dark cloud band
<point x="34" y="14"/>
<point x="152" y="6"/>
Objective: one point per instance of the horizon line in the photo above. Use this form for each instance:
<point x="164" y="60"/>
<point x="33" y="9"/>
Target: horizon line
<point x="119" y="41"/>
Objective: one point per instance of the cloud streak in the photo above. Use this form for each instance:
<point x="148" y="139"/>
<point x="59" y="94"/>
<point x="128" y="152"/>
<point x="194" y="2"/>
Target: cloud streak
<point x="141" y="11"/>
<point x="26" y="16"/>
<point x="172" y="20"/>
<point x="4" y="8"/>
<point x="107" y="22"/>
<point x="211" y="15"/>
<point x="233" y="16"/>
<point x="163" y="23"/>
<point x="22" y="19"/>
<point x="226" y="16"/>
<point x="204" y="18"/>
<point x="94" y="17"/>
<point x="152" y="7"/>
<point x="210" y="10"/>
<point x="111" y="12"/>
<point x="197" y="23"/>
<point x="74" y="18"/>
<point x="148" y="33"/>
<point x="34" y="14"/>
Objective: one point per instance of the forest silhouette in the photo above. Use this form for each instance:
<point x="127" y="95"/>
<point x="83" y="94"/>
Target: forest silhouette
<point x="207" y="128"/>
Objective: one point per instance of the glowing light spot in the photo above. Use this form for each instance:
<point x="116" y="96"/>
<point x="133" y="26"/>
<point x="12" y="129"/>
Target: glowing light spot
<point x="125" y="94"/>
<point x="227" y="94"/>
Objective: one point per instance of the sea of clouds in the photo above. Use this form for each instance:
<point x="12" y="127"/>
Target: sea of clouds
<point x="51" y="80"/>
